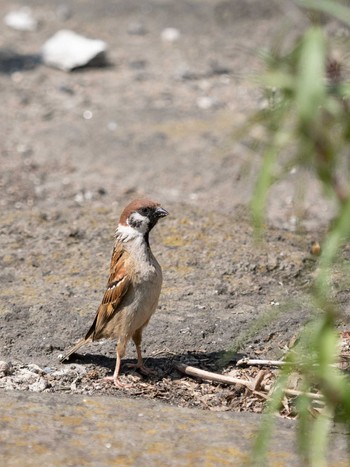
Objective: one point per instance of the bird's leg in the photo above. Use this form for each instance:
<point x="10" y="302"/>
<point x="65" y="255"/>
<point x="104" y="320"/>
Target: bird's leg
<point x="137" y="338"/>
<point x="120" y="354"/>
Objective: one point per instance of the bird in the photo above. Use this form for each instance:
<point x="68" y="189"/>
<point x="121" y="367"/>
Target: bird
<point x="133" y="287"/>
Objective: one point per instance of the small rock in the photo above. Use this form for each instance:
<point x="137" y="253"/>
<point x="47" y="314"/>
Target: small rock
<point x="21" y="20"/>
<point x="219" y="69"/>
<point x="5" y="368"/>
<point x="170" y="34"/>
<point x="83" y="196"/>
<point x="38" y="386"/>
<point x="205" y="102"/>
<point x="67" y="50"/>
<point x="34" y="368"/>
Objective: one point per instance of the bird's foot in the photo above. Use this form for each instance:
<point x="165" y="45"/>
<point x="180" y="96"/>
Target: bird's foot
<point x="119" y="384"/>
<point x="143" y="369"/>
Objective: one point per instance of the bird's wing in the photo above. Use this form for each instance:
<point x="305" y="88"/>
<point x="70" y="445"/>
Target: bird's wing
<point x="119" y="282"/>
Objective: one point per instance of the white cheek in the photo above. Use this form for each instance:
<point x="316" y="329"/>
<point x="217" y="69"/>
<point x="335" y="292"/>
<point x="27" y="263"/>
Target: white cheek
<point x="141" y="222"/>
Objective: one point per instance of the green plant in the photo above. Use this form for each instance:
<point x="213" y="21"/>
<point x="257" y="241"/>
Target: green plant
<point x="307" y="125"/>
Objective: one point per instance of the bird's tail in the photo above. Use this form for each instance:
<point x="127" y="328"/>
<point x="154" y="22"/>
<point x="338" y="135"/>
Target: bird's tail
<point x="77" y="346"/>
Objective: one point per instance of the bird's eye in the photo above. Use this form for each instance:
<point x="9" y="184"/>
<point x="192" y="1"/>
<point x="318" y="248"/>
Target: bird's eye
<point x="144" y="211"/>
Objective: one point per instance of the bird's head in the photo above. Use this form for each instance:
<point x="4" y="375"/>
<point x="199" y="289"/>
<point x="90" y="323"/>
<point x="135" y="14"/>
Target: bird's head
<point x="139" y="217"/>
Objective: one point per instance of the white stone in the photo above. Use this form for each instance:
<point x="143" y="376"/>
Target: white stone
<point x="5" y="368"/>
<point x="67" y="50"/>
<point x="21" y="19"/>
<point x="34" y="368"/>
<point x="170" y="34"/>
<point x="205" y="102"/>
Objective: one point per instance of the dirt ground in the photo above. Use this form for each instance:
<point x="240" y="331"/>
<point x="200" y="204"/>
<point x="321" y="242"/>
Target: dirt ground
<point x="158" y="121"/>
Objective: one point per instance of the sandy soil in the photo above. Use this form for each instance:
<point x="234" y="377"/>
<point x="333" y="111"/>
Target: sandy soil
<point x="158" y="121"/>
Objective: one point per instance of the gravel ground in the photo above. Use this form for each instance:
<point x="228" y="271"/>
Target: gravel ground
<point x="158" y="121"/>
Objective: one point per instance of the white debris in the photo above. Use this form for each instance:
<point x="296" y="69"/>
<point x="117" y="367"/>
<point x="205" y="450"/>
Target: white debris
<point x="75" y="369"/>
<point x="170" y="34"/>
<point x="22" y="20"/>
<point x="38" y="386"/>
<point x="24" y="375"/>
<point x="87" y="114"/>
<point x="34" y="368"/>
<point x="205" y="102"/>
<point x="67" y="50"/>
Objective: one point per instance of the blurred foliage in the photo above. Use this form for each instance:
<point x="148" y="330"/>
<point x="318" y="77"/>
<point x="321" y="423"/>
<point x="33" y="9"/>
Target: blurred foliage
<point x="306" y="124"/>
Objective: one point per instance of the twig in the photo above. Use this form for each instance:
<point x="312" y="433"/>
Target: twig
<point x="162" y="351"/>
<point x="258" y="379"/>
<point x="311" y="395"/>
<point x="257" y="362"/>
<point x="208" y="375"/>
<point x="249" y="361"/>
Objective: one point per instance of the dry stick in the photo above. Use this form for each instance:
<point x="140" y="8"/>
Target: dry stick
<point x="208" y="375"/>
<point x="257" y="362"/>
<point x="249" y="361"/>
<point x="310" y="395"/>
<point x="192" y="371"/>
<point x="258" y="379"/>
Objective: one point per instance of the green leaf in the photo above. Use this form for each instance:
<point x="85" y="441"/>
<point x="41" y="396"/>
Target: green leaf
<point x="311" y="89"/>
<point x="318" y="441"/>
<point x="278" y="79"/>
<point x="340" y="232"/>
<point x="332" y="8"/>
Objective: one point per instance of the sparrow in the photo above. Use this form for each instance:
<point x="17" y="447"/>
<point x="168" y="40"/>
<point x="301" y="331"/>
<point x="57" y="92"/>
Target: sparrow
<point x="133" y="287"/>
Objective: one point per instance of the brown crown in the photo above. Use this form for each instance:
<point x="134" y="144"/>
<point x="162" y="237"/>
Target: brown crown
<point x="134" y="206"/>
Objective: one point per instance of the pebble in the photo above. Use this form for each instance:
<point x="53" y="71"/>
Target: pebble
<point x="83" y="196"/>
<point x="87" y="115"/>
<point x="35" y="368"/>
<point x="5" y="368"/>
<point x="21" y="20"/>
<point x="68" y="50"/>
<point x="205" y="102"/>
<point x="170" y="34"/>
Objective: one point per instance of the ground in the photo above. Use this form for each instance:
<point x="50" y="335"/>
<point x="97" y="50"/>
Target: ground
<point x="160" y="121"/>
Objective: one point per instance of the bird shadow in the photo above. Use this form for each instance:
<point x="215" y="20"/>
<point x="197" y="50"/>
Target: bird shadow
<point x="163" y="365"/>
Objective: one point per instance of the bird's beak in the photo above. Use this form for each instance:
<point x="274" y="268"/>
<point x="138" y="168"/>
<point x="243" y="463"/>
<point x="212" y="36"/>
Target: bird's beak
<point x="161" y="212"/>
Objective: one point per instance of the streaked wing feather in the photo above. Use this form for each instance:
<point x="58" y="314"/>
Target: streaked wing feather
<point x="118" y="284"/>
